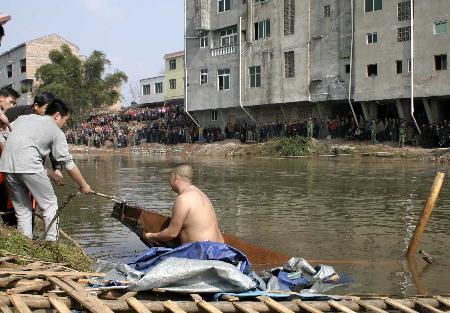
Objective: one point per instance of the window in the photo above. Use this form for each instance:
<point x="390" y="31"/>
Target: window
<point x="440" y="62"/>
<point x="172" y="84"/>
<point x="204" y="40"/>
<point x="158" y="87"/>
<point x="224" y="5"/>
<point x="289" y="17"/>
<point x="373" y="5"/>
<point x="409" y="65"/>
<point x="257" y="1"/>
<point x="372" y="38"/>
<point x="213" y="115"/>
<point x="223" y="77"/>
<point x="255" y="76"/>
<point x="9" y="70"/>
<point x="23" y="65"/>
<point x="399" y="64"/>
<point x="203" y="77"/>
<point x="327" y="11"/>
<point x="372" y="70"/>
<point x="262" y="29"/>
<point x="404" y="11"/>
<point x="403" y="34"/>
<point x="347" y="68"/>
<point x="440" y="27"/>
<point x="173" y="64"/>
<point x="228" y="36"/>
<point x="145" y="89"/>
<point x="289" y="64"/>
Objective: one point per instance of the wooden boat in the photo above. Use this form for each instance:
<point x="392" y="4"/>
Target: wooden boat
<point x="140" y="220"/>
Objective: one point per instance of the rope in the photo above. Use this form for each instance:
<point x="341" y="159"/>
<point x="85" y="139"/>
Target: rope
<point x="60" y="208"/>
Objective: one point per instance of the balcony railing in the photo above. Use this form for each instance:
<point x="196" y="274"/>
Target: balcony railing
<point x="223" y="50"/>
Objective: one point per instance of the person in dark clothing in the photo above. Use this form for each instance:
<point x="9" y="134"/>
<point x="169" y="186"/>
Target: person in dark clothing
<point x="39" y="106"/>
<point x="3" y="19"/>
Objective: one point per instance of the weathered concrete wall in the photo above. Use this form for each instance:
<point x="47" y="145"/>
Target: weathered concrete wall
<point x="388" y="84"/>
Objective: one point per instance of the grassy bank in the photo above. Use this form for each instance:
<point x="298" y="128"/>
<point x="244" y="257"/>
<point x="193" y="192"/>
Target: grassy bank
<point x="282" y="147"/>
<point x="60" y="252"/>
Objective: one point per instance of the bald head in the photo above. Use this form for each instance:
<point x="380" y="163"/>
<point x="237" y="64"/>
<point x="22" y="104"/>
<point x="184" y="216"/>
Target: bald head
<point x="184" y="171"/>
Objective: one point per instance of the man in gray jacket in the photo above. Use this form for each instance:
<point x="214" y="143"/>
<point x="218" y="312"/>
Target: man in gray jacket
<point x="31" y="140"/>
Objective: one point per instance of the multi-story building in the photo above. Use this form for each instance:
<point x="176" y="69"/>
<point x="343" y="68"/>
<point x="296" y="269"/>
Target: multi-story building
<point x="152" y="91"/>
<point x="19" y="64"/>
<point x="382" y="58"/>
<point x="273" y="60"/>
<point x="174" y="77"/>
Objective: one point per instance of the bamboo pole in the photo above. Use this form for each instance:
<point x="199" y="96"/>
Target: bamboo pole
<point x="426" y="213"/>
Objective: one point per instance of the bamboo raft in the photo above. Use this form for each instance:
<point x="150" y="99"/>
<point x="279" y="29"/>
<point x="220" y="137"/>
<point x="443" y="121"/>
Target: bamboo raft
<point x="47" y="287"/>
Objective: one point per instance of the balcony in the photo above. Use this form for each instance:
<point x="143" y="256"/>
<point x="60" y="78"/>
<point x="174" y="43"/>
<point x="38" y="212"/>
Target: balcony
<point x="223" y="50"/>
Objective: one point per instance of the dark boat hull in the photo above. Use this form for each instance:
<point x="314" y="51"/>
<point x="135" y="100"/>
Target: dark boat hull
<point x="140" y="221"/>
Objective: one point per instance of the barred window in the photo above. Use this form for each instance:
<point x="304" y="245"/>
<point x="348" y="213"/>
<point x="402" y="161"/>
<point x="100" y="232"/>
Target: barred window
<point x="146" y="89"/>
<point x="255" y="76"/>
<point x="172" y="84"/>
<point x="289" y="64"/>
<point x="440" y="62"/>
<point x="404" y="11"/>
<point x="203" y="76"/>
<point x="158" y="87"/>
<point x="327" y="11"/>
<point x="289" y="17"/>
<point x="403" y="33"/>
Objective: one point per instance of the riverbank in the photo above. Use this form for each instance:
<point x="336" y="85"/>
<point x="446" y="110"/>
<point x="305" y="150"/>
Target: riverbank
<point x="14" y="243"/>
<point x="297" y="147"/>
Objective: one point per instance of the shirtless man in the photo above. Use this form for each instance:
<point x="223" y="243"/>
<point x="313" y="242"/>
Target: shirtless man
<point x="193" y="217"/>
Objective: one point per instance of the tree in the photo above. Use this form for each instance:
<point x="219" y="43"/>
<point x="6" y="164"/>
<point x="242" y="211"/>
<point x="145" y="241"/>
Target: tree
<point x="81" y="83"/>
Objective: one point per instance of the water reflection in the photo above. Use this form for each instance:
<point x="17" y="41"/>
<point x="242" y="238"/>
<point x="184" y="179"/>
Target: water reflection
<point x="337" y="209"/>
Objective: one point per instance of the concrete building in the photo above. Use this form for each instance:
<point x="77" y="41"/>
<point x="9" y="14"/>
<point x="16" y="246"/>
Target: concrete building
<point x="269" y="60"/>
<point x="382" y="58"/>
<point x="19" y="64"/>
<point x="152" y="91"/>
<point x="174" y="77"/>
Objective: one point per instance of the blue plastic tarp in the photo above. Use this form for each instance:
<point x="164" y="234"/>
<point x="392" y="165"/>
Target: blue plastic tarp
<point x="205" y="250"/>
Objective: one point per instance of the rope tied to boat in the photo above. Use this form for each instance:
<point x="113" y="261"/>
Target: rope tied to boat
<point x="66" y="201"/>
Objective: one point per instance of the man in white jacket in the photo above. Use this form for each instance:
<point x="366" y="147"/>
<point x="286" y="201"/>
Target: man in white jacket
<point x="31" y="140"/>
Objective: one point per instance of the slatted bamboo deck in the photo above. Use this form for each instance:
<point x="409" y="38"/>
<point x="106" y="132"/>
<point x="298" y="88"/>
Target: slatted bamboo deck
<point x="48" y="287"/>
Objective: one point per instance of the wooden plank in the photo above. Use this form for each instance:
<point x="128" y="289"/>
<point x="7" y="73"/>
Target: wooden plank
<point x="244" y="308"/>
<point x="370" y="307"/>
<point x="229" y="298"/>
<point x="136" y="305"/>
<point x="196" y="297"/>
<point x="340" y="307"/>
<point x="172" y="307"/>
<point x="33" y="286"/>
<point x="127" y="295"/>
<point x="50" y="273"/>
<point x="306" y="306"/>
<point x="4" y="307"/>
<point x="274" y="305"/>
<point x="207" y="307"/>
<point x="397" y="305"/>
<point x="6" y="258"/>
<point x="19" y="304"/>
<point x="426" y="306"/>
<point x="58" y="305"/>
<point x="443" y="301"/>
<point x="90" y="302"/>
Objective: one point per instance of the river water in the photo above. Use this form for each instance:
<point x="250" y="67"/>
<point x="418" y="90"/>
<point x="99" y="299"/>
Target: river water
<point x="358" y="215"/>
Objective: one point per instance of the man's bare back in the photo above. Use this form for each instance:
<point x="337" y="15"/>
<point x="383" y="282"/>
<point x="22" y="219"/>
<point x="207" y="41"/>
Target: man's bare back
<point x="193" y="216"/>
<point x="200" y="223"/>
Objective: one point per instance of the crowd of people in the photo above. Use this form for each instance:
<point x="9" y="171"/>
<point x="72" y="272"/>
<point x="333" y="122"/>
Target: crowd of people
<point x="169" y="124"/>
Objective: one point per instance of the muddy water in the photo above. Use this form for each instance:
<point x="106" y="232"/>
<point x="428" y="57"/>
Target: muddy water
<point x="358" y="214"/>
